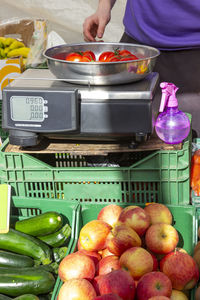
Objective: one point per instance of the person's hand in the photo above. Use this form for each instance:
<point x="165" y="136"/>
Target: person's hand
<point x="94" y="25"/>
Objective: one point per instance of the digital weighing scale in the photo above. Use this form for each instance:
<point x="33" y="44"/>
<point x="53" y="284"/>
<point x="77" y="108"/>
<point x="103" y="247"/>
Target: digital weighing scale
<point x="37" y="104"/>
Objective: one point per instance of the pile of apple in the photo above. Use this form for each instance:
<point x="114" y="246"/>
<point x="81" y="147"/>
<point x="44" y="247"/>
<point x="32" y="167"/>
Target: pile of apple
<point x="196" y="256"/>
<point x="129" y="254"/>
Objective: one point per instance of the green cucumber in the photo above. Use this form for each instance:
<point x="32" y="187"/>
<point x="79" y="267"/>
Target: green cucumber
<point x="4" y="297"/>
<point x="57" y="238"/>
<point x="16" y="282"/>
<point x="27" y="297"/>
<point x="25" y="244"/>
<point x="59" y="253"/>
<point x="9" y="259"/>
<point x="52" y="267"/>
<point x="40" y="225"/>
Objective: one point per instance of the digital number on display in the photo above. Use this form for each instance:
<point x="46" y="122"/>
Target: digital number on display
<point x="25" y="108"/>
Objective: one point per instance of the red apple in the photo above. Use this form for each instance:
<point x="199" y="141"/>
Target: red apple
<point x="95" y="256"/>
<point x="161" y="238"/>
<point x="159" y="213"/>
<point x="110" y="214"/>
<point x="79" y="247"/>
<point x="137" y="261"/>
<point x="93" y="235"/>
<point x="108" y="264"/>
<point x="159" y="298"/>
<point x="117" y="282"/>
<point x="136" y="218"/>
<point x="76" y="265"/>
<point x="197" y="246"/>
<point x="153" y="284"/>
<point x="181" y="269"/>
<point x="105" y="252"/>
<point x="197" y="293"/>
<point x="196" y="257"/>
<point x="108" y="297"/>
<point x="155" y="262"/>
<point x="121" y="238"/>
<point x="178" y="295"/>
<point x="77" y="289"/>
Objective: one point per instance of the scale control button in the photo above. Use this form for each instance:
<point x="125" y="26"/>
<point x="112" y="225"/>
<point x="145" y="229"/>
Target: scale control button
<point x="45" y="116"/>
<point x="45" y="108"/>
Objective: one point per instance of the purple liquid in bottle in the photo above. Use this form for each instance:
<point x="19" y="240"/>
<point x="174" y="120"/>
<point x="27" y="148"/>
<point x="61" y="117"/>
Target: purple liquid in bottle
<point x="172" y="125"/>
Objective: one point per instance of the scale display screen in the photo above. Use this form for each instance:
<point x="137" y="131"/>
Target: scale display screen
<point x="27" y="108"/>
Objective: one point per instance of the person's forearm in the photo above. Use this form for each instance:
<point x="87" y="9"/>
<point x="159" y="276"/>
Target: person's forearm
<point x="109" y="3"/>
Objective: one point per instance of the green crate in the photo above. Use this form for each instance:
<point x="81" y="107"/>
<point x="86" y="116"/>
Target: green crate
<point x="58" y="283"/>
<point x="157" y="176"/>
<point x="185" y="222"/>
<point x="22" y="208"/>
<point x="3" y="134"/>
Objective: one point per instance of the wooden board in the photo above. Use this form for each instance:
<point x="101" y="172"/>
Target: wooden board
<point x="61" y="146"/>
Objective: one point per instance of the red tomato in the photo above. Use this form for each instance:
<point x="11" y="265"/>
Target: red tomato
<point x="85" y="59"/>
<point x="124" y="52"/>
<point x="74" y="56"/>
<point x="114" y="58"/>
<point x="106" y="56"/>
<point x="128" y="57"/>
<point x="90" y="55"/>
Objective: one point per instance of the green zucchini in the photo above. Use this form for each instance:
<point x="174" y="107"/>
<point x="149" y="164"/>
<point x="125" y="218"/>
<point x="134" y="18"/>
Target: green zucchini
<point x="4" y="297"/>
<point x="57" y="238"/>
<point x="16" y="282"/>
<point x="59" y="253"/>
<point x="52" y="267"/>
<point x="27" y="297"/>
<point x="9" y="259"/>
<point x="40" y="225"/>
<point x="25" y="244"/>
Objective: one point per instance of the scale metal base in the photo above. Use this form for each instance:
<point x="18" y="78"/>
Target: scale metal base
<point x="37" y="105"/>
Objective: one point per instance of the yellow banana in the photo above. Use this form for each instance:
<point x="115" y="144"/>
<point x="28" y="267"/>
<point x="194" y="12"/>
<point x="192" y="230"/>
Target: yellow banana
<point x="3" y="55"/>
<point x="8" y="41"/>
<point x="16" y="44"/>
<point x="6" y="50"/>
<point x="23" y="51"/>
<point x="2" y="41"/>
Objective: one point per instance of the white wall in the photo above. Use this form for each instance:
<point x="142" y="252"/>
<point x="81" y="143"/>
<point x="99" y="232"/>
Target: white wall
<point x="65" y="16"/>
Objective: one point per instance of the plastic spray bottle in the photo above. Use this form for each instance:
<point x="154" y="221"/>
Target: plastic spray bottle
<point x="172" y="125"/>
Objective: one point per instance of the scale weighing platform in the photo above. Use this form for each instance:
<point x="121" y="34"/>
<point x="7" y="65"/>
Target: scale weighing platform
<point x="37" y="105"/>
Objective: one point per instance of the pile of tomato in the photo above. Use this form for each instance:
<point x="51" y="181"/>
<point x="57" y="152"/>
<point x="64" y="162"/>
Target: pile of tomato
<point x="107" y="56"/>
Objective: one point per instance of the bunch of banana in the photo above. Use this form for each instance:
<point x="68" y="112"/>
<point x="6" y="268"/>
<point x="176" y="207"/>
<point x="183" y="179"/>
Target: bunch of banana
<point x="10" y="47"/>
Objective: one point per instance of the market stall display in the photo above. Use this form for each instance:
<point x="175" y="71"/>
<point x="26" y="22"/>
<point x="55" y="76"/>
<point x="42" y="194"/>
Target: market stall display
<point x="84" y="219"/>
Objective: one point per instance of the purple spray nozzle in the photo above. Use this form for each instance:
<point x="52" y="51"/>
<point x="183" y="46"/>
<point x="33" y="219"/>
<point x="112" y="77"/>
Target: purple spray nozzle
<point x="168" y="95"/>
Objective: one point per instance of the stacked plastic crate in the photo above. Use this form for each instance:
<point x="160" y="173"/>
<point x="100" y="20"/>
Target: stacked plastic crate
<point x="161" y="176"/>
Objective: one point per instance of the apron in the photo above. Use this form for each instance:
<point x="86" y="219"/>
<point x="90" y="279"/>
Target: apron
<point x="181" y="67"/>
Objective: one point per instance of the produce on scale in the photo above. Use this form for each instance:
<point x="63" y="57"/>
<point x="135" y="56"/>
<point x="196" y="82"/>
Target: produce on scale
<point x="142" y="265"/>
<point x="28" y="265"/>
<point x="10" y="47"/>
<point x="106" y="56"/>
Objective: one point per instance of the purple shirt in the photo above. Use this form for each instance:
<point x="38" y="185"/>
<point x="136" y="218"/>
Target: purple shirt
<point x="164" y="24"/>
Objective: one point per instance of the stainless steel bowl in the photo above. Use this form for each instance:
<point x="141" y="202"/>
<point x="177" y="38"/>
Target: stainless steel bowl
<point x="101" y="73"/>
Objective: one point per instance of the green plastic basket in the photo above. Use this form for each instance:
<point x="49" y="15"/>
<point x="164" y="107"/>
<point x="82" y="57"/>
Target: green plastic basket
<point x="58" y="283"/>
<point x="185" y="222"/>
<point x="157" y="176"/>
<point x="22" y="208"/>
